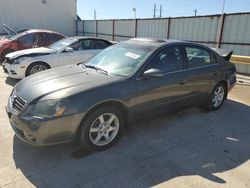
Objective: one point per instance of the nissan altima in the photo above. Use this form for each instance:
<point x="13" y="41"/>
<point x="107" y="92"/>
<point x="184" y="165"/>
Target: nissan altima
<point x="93" y="102"/>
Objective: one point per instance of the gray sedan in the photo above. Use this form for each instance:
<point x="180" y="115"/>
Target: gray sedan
<point x="95" y="101"/>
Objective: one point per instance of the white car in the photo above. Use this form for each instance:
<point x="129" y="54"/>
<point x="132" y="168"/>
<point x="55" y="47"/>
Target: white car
<point x="71" y="50"/>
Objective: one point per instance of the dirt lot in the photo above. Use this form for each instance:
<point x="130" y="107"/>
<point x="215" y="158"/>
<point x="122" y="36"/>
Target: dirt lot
<point x="192" y="148"/>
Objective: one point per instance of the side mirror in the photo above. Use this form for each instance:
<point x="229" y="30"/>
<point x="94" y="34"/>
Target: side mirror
<point x="153" y="73"/>
<point x="69" y="49"/>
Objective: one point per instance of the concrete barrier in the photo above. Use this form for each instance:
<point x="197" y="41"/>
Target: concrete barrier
<point x="242" y="63"/>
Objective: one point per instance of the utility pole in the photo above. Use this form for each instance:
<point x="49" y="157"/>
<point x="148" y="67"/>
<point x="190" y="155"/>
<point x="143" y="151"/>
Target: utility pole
<point x="154" y="9"/>
<point x="223" y="6"/>
<point x="134" y="10"/>
<point x="160" y="10"/>
<point x="195" y="12"/>
<point x="94" y="14"/>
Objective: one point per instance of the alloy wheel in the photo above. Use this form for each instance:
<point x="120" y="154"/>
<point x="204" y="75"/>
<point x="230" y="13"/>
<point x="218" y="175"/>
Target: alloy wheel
<point x="218" y="96"/>
<point x="104" y="129"/>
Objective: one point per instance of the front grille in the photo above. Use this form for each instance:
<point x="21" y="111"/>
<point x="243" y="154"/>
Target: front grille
<point x="18" y="103"/>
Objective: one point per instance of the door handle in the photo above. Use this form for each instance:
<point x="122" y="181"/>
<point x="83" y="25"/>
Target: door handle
<point x="182" y="83"/>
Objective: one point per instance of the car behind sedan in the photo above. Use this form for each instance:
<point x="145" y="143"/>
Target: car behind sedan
<point x="94" y="102"/>
<point x="71" y="50"/>
<point x="29" y="39"/>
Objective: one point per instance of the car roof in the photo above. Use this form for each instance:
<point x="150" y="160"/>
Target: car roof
<point x="154" y="41"/>
<point x="42" y="31"/>
<point x="86" y="37"/>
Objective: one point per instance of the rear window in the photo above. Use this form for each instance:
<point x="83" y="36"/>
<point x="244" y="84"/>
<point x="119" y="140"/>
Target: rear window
<point x="51" y="38"/>
<point x="99" y="44"/>
<point x="197" y="57"/>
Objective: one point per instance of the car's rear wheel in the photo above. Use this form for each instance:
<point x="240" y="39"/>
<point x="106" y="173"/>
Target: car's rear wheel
<point x="101" y="128"/>
<point x="36" y="67"/>
<point x="217" y="97"/>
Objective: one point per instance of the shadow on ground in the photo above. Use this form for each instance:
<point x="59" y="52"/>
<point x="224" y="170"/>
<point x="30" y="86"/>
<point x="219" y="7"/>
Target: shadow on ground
<point x="11" y="81"/>
<point x="191" y="142"/>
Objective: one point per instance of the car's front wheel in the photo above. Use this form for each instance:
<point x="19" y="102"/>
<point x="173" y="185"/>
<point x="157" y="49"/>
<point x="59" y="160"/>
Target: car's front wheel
<point x="217" y="97"/>
<point x="36" y="67"/>
<point x="101" y="128"/>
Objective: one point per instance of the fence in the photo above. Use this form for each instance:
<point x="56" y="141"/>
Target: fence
<point x="229" y="31"/>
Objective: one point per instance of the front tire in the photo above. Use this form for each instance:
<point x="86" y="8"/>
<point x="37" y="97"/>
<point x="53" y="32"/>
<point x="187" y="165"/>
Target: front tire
<point x="217" y="97"/>
<point x="102" y="128"/>
<point x="36" y="67"/>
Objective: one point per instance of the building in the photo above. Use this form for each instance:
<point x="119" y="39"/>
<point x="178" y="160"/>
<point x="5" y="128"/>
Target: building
<point x="56" y="15"/>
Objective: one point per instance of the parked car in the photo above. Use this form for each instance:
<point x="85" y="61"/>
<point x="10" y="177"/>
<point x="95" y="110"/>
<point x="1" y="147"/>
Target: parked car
<point x="71" y="50"/>
<point x="93" y="102"/>
<point x="28" y="39"/>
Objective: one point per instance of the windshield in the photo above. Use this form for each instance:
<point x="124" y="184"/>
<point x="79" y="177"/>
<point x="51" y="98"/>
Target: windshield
<point x="121" y="59"/>
<point x="16" y="36"/>
<point x="61" y="44"/>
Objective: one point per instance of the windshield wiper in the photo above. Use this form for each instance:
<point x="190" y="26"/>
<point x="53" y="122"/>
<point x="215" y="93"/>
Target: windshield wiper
<point x="96" y="68"/>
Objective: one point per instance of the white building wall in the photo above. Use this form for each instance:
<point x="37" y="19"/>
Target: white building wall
<point x="56" y="15"/>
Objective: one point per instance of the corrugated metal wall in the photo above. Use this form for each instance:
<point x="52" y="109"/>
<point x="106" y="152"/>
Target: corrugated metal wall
<point x="200" y="29"/>
<point x="52" y="14"/>
<point x="237" y="30"/>
<point x="105" y="29"/>
<point x="156" y="28"/>
<point x="232" y="33"/>
<point x="90" y="28"/>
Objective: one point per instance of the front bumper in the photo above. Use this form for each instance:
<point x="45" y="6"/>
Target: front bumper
<point x="40" y="132"/>
<point x="14" y="71"/>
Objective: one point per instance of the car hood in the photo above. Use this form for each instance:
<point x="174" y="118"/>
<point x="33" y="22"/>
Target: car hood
<point x="32" y="51"/>
<point x="66" y="80"/>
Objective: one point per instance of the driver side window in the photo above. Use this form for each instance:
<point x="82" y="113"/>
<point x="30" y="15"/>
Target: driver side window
<point x="167" y="60"/>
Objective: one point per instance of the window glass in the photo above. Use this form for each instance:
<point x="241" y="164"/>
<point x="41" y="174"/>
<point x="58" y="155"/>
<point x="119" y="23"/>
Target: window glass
<point x="76" y="46"/>
<point x="121" y="59"/>
<point x="167" y="60"/>
<point x="87" y="44"/>
<point x="27" y="39"/>
<point x="197" y="57"/>
<point x="99" y="44"/>
<point x="63" y="43"/>
<point x="51" y="38"/>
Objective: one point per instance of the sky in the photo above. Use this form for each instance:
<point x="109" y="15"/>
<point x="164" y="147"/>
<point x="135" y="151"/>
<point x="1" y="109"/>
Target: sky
<point x="122" y="9"/>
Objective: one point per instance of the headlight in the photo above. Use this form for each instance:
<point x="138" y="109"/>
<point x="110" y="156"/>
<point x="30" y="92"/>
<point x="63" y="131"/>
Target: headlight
<point x="47" y="109"/>
<point x="19" y="60"/>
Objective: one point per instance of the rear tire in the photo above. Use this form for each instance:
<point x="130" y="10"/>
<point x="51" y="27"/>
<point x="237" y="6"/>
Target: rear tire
<point x="216" y="97"/>
<point x="36" y="67"/>
<point x="102" y="128"/>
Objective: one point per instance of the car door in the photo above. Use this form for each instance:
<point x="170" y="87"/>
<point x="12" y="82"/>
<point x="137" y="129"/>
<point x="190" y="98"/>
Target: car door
<point x="202" y="70"/>
<point x="159" y="94"/>
<point x="70" y="57"/>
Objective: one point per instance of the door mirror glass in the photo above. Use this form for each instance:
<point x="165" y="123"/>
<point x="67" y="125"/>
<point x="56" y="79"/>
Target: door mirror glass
<point x="153" y="73"/>
<point x="69" y="49"/>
